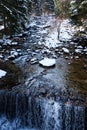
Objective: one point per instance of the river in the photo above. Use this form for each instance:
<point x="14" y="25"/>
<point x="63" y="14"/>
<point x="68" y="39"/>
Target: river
<point x="33" y="97"/>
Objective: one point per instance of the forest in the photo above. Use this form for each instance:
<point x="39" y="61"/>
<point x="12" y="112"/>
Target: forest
<point x="43" y="65"/>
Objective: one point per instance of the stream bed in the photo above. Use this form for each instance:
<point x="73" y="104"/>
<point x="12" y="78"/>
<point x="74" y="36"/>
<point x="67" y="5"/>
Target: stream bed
<point x="33" y="97"/>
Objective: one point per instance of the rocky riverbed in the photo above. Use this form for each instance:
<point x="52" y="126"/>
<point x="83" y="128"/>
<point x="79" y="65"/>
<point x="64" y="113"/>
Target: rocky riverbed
<point x="43" y="96"/>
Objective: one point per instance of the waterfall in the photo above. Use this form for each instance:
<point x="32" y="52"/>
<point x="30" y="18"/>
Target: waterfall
<point x="21" y="112"/>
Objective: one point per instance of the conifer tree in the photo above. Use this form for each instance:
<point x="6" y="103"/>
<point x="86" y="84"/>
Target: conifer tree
<point x="14" y="13"/>
<point x="79" y="12"/>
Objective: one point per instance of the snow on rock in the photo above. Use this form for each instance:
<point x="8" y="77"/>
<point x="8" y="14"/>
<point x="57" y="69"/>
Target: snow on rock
<point x="79" y="47"/>
<point x="85" y="50"/>
<point x="47" y="62"/>
<point x="1" y="56"/>
<point x="2" y="73"/>
<point x="52" y="39"/>
<point x="1" y="27"/>
<point x="78" y="50"/>
<point x="34" y="61"/>
<point x="65" y="50"/>
<point x="14" y="43"/>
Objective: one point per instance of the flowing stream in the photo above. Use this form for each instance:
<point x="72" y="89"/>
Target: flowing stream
<point x="45" y="98"/>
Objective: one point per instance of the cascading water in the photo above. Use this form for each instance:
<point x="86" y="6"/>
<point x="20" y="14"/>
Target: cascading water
<point x="19" y="112"/>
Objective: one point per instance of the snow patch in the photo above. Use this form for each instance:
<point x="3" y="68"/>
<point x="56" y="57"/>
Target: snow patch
<point x="66" y="31"/>
<point x="1" y="27"/>
<point x="2" y="73"/>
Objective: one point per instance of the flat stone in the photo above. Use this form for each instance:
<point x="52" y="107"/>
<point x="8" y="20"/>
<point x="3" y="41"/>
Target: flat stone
<point x="47" y="62"/>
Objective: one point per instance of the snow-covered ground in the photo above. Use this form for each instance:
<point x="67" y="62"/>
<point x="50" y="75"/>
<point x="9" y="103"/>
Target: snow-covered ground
<point x="50" y="27"/>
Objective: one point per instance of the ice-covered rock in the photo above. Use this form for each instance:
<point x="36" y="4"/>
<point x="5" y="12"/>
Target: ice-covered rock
<point x="2" y="73"/>
<point x="47" y="62"/>
<point x="65" y="50"/>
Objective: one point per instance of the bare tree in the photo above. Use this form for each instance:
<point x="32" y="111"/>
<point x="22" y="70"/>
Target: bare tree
<point x="62" y="10"/>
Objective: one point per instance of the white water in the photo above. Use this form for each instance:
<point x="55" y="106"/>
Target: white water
<point x="45" y="115"/>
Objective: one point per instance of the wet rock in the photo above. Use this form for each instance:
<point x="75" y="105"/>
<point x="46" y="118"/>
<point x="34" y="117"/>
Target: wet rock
<point x="11" y="57"/>
<point x="1" y="41"/>
<point x="47" y="62"/>
<point x="14" y="52"/>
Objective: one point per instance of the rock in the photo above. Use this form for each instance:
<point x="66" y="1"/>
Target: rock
<point x="47" y="62"/>
<point x="78" y="50"/>
<point x="14" y="43"/>
<point x="34" y="61"/>
<point x="11" y="57"/>
<point x="85" y="67"/>
<point x="1" y="27"/>
<point x="65" y="50"/>
<point x="85" y="50"/>
<point x="1" y="41"/>
<point x="80" y="47"/>
<point x="1" y="56"/>
<point x="14" y="52"/>
<point x="2" y="73"/>
<point x="8" y="41"/>
<point x="76" y="57"/>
